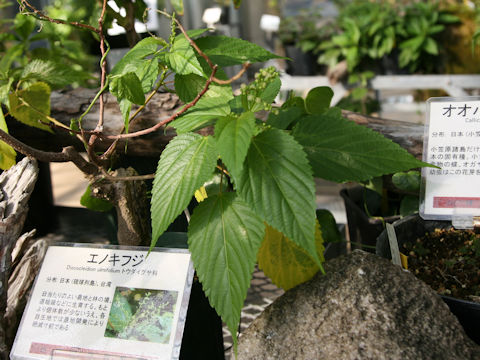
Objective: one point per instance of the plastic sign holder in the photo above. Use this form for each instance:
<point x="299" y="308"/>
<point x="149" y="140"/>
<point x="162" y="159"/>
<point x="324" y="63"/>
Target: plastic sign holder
<point x="106" y="302"/>
<point x="452" y="143"/>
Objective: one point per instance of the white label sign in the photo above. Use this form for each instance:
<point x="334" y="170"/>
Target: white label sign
<point x="452" y="142"/>
<point x="106" y="303"/>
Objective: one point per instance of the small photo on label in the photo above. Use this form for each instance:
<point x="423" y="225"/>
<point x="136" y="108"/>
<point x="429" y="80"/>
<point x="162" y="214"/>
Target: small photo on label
<point x="141" y="315"/>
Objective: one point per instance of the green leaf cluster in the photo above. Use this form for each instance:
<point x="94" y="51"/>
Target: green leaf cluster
<point x="255" y="178"/>
<point x="262" y="201"/>
<point x="370" y="30"/>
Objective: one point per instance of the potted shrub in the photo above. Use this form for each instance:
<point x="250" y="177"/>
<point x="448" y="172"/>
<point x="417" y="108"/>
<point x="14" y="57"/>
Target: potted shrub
<point x="264" y="200"/>
<point x="446" y="259"/>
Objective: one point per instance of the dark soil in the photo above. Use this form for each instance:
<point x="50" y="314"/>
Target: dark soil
<point x="449" y="261"/>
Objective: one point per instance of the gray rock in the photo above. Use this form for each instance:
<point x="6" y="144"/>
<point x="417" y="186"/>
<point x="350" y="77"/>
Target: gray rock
<point x="364" y="308"/>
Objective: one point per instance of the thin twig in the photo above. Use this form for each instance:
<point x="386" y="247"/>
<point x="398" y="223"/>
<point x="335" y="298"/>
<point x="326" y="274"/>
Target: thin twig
<point x="103" y="66"/>
<point x="41" y="16"/>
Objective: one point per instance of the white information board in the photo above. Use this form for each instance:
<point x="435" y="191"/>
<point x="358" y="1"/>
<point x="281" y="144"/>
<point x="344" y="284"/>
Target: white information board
<point x="452" y="142"/>
<point x="106" y="302"/>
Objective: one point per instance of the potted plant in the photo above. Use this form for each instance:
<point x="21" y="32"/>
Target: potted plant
<point x="264" y="200"/>
<point x="446" y="259"/>
<point x="382" y="200"/>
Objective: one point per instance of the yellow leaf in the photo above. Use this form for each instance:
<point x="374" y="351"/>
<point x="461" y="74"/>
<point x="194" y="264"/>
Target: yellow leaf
<point x="284" y="262"/>
<point x="7" y="154"/>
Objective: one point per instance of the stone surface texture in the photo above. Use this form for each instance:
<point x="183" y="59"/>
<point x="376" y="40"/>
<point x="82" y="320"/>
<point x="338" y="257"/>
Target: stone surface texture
<point x="363" y="308"/>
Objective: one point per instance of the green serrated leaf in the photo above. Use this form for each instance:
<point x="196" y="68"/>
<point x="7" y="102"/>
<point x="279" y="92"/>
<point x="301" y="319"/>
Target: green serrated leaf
<point x="177" y="6"/>
<point x="228" y="51"/>
<point x="31" y="106"/>
<point x="318" y="99"/>
<point x="137" y="55"/>
<point x="182" y="58"/>
<point x="54" y="74"/>
<point x="127" y="86"/>
<point x="224" y="236"/>
<point x="234" y="134"/>
<point x="93" y="203"/>
<point x="189" y="86"/>
<point x="187" y="162"/>
<point x="340" y="150"/>
<point x="277" y="183"/>
<point x="286" y="263"/>
<point x="7" y="154"/>
<point x="201" y="115"/>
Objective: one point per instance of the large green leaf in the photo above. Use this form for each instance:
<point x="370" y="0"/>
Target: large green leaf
<point x="224" y="236"/>
<point x="277" y="183"/>
<point x="137" y="55"/>
<point x="187" y="162"/>
<point x="227" y="51"/>
<point x="31" y="106"/>
<point x="128" y="86"/>
<point x="188" y="87"/>
<point x="182" y="58"/>
<point x="233" y="134"/>
<point x="286" y="263"/>
<point x="202" y="114"/>
<point x="340" y="150"/>
<point x="7" y="154"/>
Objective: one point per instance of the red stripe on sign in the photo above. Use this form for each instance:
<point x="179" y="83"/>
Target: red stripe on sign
<point x="456" y="202"/>
<point x="67" y="353"/>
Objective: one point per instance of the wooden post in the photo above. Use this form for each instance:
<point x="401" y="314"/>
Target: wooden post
<point x="16" y="186"/>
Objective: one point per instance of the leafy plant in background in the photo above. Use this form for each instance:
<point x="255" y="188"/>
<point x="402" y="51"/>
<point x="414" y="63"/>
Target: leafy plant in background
<point x="384" y="37"/>
<point x="265" y="198"/>
<point x="419" y="30"/>
<point x="367" y="31"/>
<point x="305" y="30"/>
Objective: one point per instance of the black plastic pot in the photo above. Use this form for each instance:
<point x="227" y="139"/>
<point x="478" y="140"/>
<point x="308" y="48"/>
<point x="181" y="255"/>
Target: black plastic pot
<point x="362" y="229"/>
<point x="302" y="63"/>
<point x="413" y="227"/>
